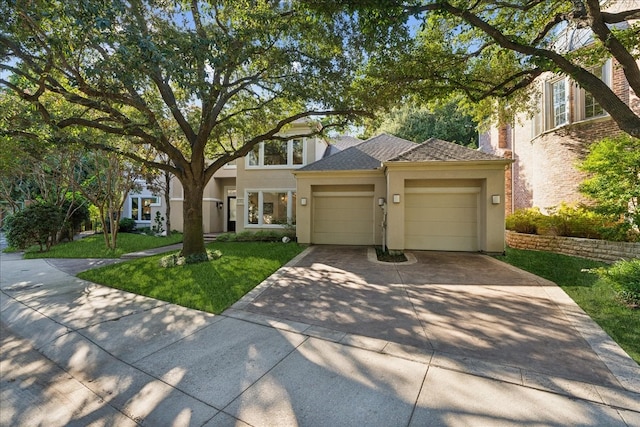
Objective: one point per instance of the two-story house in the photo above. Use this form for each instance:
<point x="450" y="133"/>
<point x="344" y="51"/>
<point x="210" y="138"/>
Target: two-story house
<point x="547" y="146"/>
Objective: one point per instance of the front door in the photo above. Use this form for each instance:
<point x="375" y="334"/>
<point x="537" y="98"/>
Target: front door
<point x="231" y="213"/>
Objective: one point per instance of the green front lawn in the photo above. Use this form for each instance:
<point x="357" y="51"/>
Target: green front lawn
<point x="95" y="247"/>
<point x="593" y="295"/>
<point x="208" y="286"/>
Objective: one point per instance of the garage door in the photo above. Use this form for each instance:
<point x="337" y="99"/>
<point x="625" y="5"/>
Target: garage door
<point x="443" y="219"/>
<point x="343" y="218"/>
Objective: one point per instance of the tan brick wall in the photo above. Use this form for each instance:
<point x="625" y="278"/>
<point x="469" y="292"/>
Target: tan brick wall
<point x="599" y="250"/>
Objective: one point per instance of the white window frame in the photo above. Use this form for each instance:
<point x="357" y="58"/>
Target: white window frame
<point x="551" y="104"/>
<point x="291" y="200"/>
<point x="289" y="164"/>
<point x="140" y="197"/>
<point x="581" y="95"/>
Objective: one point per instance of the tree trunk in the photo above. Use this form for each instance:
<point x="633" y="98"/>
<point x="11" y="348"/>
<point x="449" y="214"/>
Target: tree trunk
<point x="193" y="238"/>
<point x="167" y="201"/>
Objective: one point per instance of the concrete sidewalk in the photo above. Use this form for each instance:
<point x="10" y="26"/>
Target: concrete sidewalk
<point x="75" y="353"/>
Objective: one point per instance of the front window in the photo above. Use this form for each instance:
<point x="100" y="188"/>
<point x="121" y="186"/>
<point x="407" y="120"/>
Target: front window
<point x="589" y="107"/>
<point x="270" y="208"/>
<point x="274" y="154"/>
<point x="141" y="207"/>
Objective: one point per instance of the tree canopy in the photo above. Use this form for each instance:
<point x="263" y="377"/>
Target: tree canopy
<point x="493" y="51"/>
<point x="445" y="120"/>
<point x="202" y="82"/>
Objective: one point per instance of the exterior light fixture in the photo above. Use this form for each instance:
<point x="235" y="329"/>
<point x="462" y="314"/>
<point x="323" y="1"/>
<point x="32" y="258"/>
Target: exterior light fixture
<point x="303" y="201"/>
<point x="381" y="201"/>
<point x="396" y="198"/>
<point x="495" y="199"/>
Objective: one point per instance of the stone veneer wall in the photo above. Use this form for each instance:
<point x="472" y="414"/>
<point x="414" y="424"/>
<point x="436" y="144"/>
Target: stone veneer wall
<point x="599" y="250"/>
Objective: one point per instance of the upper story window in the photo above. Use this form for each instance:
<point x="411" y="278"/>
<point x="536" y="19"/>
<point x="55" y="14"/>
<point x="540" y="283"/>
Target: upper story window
<point x="277" y="154"/>
<point x="559" y="110"/>
<point x="586" y="105"/>
<point x="555" y="109"/>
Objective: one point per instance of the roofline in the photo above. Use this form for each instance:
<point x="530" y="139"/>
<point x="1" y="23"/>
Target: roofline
<point x="349" y="172"/>
<point x="413" y="165"/>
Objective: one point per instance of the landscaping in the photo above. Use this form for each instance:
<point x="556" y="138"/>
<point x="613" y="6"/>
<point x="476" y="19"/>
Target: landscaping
<point x="596" y="295"/>
<point x="210" y="286"/>
<point x="94" y="246"/>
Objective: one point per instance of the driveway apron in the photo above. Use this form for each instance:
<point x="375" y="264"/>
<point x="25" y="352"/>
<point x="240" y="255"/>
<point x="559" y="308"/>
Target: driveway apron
<point x="459" y="305"/>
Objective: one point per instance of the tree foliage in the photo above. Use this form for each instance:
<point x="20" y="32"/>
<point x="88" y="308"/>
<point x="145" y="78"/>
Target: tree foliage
<point x="444" y="120"/>
<point x="201" y="82"/>
<point x="492" y="52"/>
<point x="614" y="184"/>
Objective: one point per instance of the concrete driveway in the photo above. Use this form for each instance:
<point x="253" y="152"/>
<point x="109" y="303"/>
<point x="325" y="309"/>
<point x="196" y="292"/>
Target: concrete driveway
<point x="459" y="305"/>
<point x="330" y="339"/>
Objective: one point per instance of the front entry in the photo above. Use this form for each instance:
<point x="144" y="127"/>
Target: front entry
<point x="231" y="213"/>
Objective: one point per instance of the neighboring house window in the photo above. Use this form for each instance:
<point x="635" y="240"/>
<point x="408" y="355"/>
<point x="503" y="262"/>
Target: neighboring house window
<point x="141" y="207"/>
<point x="587" y="107"/>
<point x="558" y="90"/>
<point x="272" y="207"/>
<point x="277" y="154"/>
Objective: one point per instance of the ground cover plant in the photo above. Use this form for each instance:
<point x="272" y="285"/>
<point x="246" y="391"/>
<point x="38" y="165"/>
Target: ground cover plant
<point x="94" y="246"/>
<point x="597" y="296"/>
<point x="210" y="286"/>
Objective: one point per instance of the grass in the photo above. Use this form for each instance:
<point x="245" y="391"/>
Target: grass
<point x="594" y="295"/>
<point x="208" y="286"/>
<point x="94" y="246"/>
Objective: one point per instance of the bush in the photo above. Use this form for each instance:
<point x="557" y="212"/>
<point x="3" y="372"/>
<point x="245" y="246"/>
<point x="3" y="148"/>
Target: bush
<point x="574" y="221"/>
<point x="525" y="220"/>
<point x="37" y="224"/>
<point x="255" y="236"/>
<point x="127" y="225"/>
<point x="624" y="276"/>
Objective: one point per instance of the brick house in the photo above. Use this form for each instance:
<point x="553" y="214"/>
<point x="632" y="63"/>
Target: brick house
<point x="547" y="146"/>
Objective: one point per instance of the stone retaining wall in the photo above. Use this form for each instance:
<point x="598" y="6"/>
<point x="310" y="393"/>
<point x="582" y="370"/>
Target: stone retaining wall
<point x="599" y="250"/>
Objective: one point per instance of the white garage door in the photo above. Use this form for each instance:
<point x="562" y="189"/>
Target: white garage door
<point x="443" y="219"/>
<point x="343" y="218"/>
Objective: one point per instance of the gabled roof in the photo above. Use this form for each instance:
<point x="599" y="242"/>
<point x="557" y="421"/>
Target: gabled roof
<point x="367" y="155"/>
<point x="435" y="149"/>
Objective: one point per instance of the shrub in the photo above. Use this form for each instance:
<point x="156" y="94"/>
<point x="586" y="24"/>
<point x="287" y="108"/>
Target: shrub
<point x="37" y="224"/>
<point x="525" y="220"/>
<point x="127" y="225"/>
<point x="255" y="236"/>
<point x="574" y="221"/>
<point x="624" y="276"/>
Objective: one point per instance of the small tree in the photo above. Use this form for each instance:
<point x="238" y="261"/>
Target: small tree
<point x="614" y="184"/>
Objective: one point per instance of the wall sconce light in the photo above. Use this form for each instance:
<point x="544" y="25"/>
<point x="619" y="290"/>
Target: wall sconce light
<point x="495" y="199"/>
<point x="303" y="201"/>
<point x="380" y="201"/>
<point x="219" y="205"/>
<point x="396" y="198"/>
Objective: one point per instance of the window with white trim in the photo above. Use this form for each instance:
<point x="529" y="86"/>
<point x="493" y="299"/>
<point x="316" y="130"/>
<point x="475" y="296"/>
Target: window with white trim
<point x="277" y="154"/>
<point x="586" y="105"/>
<point x="141" y="207"/>
<point x="558" y="111"/>
<point x="270" y="207"/>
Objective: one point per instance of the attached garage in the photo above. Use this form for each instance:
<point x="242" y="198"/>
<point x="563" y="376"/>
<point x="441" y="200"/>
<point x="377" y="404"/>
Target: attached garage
<point x="442" y="218"/>
<point x="387" y="191"/>
<point x="342" y="215"/>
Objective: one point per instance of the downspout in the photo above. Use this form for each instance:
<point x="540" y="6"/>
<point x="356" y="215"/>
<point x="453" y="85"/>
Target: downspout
<point x="384" y="226"/>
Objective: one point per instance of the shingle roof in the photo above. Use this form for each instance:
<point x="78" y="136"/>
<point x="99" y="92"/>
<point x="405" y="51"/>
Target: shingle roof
<point x="367" y="155"/>
<point x="435" y="149"/>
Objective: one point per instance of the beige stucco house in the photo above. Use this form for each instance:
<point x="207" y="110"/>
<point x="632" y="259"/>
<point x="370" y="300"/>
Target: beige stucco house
<point x="384" y="191"/>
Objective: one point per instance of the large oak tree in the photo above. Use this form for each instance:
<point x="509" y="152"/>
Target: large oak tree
<point x="492" y="51"/>
<point x="201" y="82"/>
